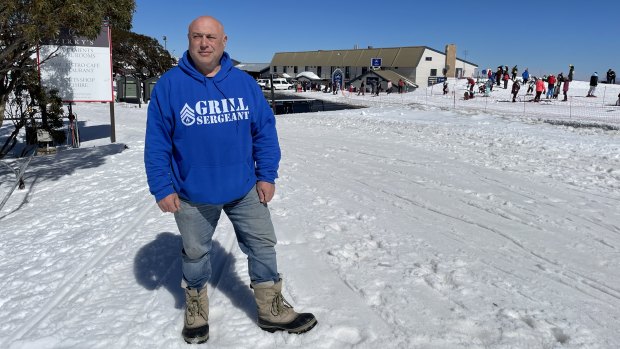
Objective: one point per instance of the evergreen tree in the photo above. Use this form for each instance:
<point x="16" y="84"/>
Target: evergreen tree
<point x="139" y="55"/>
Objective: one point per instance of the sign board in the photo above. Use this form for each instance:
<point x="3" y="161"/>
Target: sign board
<point x="44" y="136"/>
<point x="79" y="68"/>
<point x="337" y="79"/>
<point x="375" y="62"/>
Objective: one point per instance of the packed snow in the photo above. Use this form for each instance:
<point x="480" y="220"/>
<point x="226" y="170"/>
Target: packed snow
<point x="407" y="224"/>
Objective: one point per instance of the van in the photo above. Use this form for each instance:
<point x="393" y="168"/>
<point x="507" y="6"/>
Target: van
<point x="280" y="84"/>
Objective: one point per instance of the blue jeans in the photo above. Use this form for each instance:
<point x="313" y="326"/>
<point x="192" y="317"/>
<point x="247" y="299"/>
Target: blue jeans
<point x="255" y="235"/>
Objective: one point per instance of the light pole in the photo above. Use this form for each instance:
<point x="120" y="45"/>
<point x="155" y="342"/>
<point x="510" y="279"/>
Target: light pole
<point x="165" y="42"/>
<point x="465" y="52"/>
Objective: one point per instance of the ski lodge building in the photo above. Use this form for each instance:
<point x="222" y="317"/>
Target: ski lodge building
<point x="416" y="65"/>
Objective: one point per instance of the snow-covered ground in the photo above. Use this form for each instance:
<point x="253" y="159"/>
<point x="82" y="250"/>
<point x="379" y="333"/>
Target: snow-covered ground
<point x="400" y="226"/>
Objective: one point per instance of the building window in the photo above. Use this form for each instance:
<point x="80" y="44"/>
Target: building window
<point x="347" y="72"/>
<point x="428" y="58"/>
<point x="433" y="72"/>
<point x="295" y="69"/>
<point x="284" y="69"/>
<point x="275" y="68"/>
<point x="319" y="71"/>
<point x="364" y="70"/>
<point x="306" y="68"/>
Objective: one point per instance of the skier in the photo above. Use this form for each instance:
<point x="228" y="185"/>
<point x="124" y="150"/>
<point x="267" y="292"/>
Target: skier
<point x="565" y="89"/>
<point x="558" y="85"/>
<point x="506" y="78"/>
<point x="571" y="72"/>
<point x="514" y="73"/>
<point x="470" y="84"/>
<point x="515" y="90"/>
<point x="530" y="86"/>
<point x="488" y="88"/>
<point x="550" y="85"/>
<point x="525" y="76"/>
<point x="593" y="84"/>
<point x="540" y="88"/>
<point x="611" y="77"/>
<point x="499" y="74"/>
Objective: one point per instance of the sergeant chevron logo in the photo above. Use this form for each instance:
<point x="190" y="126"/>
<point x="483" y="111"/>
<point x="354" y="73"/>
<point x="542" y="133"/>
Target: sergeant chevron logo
<point x="214" y="112"/>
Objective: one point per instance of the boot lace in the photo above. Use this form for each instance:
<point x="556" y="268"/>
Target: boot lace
<point x="194" y="308"/>
<point x="279" y="305"/>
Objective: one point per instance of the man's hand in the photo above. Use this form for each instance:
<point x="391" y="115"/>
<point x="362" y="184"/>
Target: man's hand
<point x="265" y="191"/>
<point x="170" y="203"/>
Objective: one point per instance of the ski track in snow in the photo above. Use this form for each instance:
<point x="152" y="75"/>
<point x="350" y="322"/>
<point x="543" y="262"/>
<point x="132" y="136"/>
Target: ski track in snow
<point x="70" y="282"/>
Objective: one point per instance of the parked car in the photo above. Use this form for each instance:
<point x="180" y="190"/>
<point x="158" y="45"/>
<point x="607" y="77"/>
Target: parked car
<point x="280" y="84"/>
<point x="263" y="83"/>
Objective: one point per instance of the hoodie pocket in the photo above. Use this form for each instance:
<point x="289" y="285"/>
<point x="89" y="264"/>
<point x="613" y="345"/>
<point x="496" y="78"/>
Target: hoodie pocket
<point x="217" y="184"/>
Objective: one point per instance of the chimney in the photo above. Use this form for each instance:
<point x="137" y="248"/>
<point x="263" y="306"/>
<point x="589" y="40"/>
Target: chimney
<point x="450" y="67"/>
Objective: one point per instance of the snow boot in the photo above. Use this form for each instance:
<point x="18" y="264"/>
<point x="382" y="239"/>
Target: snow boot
<point x="196" y="328"/>
<point x="275" y="313"/>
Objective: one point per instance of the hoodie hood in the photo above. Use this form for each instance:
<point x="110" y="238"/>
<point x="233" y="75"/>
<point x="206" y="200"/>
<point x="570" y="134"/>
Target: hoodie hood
<point x="187" y="65"/>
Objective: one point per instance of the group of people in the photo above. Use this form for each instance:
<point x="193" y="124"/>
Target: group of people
<point x="375" y="87"/>
<point x="553" y="87"/>
<point x="611" y="76"/>
<point x="550" y="85"/>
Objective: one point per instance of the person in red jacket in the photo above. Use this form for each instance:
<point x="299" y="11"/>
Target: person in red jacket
<point x="506" y="77"/>
<point x="551" y="80"/>
<point x="540" y="88"/>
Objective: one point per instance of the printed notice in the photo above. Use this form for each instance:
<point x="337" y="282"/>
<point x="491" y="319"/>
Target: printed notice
<point x="79" y="68"/>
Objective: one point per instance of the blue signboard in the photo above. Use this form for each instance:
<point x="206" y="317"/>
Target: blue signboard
<point x="375" y="62"/>
<point x="337" y="79"/>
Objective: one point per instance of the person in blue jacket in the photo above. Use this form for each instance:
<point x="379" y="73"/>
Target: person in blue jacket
<point x="525" y="76"/>
<point x="211" y="146"/>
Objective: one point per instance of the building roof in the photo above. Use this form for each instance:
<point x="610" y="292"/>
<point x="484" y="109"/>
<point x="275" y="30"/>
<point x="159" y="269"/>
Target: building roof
<point x="253" y="67"/>
<point x="308" y="75"/>
<point x="393" y="76"/>
<point x="387" y="75"/>
<point x="392" y="57"/>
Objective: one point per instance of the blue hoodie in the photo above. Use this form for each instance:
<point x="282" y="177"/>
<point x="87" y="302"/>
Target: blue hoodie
<point x="209" y="139"/>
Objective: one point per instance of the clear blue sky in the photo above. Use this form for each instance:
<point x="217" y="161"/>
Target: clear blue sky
<point x="545" y="36"/>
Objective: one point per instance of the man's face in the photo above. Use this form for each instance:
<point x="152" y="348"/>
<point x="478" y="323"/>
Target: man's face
<point x="206" y="44"/>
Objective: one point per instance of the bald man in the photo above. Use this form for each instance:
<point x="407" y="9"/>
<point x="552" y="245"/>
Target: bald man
<point x="211" y="146"/>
